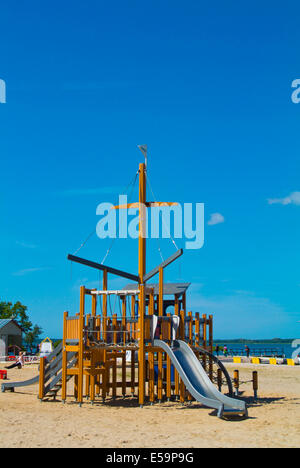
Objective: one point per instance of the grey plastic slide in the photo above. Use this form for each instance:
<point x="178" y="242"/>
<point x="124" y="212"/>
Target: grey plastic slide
<point x="25" y="383"/>
<point x="56" y="362"/>
<point x="197" y="381"/>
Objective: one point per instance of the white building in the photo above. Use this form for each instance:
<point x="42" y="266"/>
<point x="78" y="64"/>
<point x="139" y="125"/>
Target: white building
<point x="10" y="335"/>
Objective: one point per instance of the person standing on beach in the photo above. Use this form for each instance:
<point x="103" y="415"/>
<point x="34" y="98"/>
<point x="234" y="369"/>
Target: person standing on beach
<point x="225" y="351"/>
<point x="217" y="350"/>
<point x="247" y="351"/>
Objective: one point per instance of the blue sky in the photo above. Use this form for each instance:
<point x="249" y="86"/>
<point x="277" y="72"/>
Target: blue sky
<point x="208" y="88"/>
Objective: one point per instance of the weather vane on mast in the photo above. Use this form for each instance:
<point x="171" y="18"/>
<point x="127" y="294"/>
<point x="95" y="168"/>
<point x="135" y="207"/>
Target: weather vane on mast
<point x="144" y="150"/>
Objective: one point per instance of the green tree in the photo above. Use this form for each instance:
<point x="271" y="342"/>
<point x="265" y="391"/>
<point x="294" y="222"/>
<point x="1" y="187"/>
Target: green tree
<point x="18" y="312"/>
<point x="33" y="335"/>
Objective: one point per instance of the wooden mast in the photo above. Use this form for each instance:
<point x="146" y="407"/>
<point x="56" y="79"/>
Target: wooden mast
<point x="142" y="271"/>
<point x="142" y="222"/>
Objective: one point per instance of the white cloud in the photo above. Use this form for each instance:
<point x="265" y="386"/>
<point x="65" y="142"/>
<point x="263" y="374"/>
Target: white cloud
<point x="292" y="199"/>
<point x="27" y="271"/>
<point x="216" y="218"/>
<point x="26" y="245"/>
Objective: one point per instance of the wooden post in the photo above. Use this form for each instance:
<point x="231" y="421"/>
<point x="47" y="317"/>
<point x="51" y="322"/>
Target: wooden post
<point x="204" y="338"/>
<point x="124" y="320"/>
<point x="211" y="347"/>
<point x="64" y="360"/>
<point x="190" y="315"/>
<point x="105" y="306"/>
<point x="219" y="372"/>
<point x="176" y="376"/>
<point x="211" y="334"/>
<point x="76" y="387"/>
<point x="160" y="354"/>
<point x="236" y="382"/>
<point x="182" y="386"/>
<point x="132" y="337"/>
<point x="142" y="271"/>
<point x="142" y="222"/>
<point x="81" y="346"/>
<point x="114" y="328"/>
<point x="87" y="386"/>
<point x="168" y="389"/>
<point x="124" y="342"/>
<point x="182" y="325"/>
<point x="114" y="377"/>
<point x="124" y="373"/>
<point x="197" y="329"/>
<point x="184" y="302"/>
<point x="132" y="326"/>
<point x="161" y="293"/>
<point x="151" y="376"/>
<point x="42" y="379"/>
<point x="101" y="354"/>
<point x="142" y="346"/>
<point x="255" y="383"/>
<point x="105" y="379"/>
<point x="92" y="380"/>
<point x="94" y="305"/>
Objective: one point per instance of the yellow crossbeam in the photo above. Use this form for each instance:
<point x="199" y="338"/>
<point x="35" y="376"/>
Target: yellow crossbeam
<point x="147" y="204"/>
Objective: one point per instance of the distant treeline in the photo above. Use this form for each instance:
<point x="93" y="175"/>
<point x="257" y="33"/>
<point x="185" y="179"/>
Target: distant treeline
<point x="244" y="341"/>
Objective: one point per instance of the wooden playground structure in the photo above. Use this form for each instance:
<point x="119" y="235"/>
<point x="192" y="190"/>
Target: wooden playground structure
<point x="113" y="354"/>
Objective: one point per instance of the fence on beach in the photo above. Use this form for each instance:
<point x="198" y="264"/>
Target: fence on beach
<point x="27" y="359"/>
<point x="259" y="352"/>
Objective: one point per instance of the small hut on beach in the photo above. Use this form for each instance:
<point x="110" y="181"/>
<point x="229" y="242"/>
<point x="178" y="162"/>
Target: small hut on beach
<point x="10" y="335"/>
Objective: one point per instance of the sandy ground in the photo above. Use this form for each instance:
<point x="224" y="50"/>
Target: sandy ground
<point x="274" y="420"/>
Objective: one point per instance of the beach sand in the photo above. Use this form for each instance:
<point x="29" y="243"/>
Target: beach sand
<point x="274" y="420"/>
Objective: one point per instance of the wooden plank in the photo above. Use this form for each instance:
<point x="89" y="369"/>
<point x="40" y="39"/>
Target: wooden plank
<point x="98" y="266"/>
<point x="120" y="384"/>
<point x="72" y="349"/>
<point x="73" y="371"/>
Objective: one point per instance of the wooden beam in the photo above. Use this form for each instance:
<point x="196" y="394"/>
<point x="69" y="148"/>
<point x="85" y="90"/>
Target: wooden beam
<point x="163" y="265"/>
<point x="147" y="204"/>
<point x="116" y="292"/>
<point x="98" y="266"/>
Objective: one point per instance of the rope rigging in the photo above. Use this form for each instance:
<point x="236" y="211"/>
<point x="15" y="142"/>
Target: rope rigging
<point x="129" y="200"/>
<point x="163" y="219"/>
<point x="132" y="182"/>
